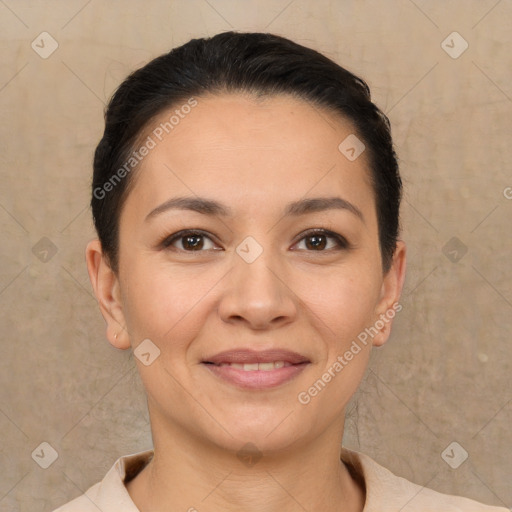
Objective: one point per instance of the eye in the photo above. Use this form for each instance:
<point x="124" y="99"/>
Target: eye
<point x="318" y="240"/>
<point x="189" y="241"/>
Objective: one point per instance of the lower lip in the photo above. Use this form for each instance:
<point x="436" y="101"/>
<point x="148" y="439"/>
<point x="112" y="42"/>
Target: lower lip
<point x="256" y="379"/>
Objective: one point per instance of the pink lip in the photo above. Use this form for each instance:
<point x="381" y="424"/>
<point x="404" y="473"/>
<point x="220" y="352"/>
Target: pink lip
<point x="256" y="379"/>
<point x="242" y="356"/>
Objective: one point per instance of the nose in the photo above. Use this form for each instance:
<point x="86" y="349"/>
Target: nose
<point x="258" y="294"/>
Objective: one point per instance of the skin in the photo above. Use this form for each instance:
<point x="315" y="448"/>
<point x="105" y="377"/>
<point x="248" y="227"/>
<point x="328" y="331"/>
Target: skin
<point x="253" y="156"/>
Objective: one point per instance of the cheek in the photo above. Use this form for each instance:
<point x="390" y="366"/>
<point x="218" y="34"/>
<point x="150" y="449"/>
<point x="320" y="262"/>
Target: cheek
<point x="166" y="303"/>
<point x="343" y="301"/>
<point x="341" y="308"/>
<point x="162" y="303"/>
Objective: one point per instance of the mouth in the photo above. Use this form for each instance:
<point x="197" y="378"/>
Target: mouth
<point x="249" y="369"/>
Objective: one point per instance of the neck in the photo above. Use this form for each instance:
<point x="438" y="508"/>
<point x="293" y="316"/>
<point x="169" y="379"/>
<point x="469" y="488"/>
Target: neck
<point x="187" y="473"/>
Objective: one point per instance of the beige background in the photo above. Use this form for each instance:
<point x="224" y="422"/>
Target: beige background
<point x="444" y="375"/>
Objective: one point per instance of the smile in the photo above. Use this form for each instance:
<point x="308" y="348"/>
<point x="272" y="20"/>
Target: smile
<point x="250" y="367"/>
<point x="256" y="376"/>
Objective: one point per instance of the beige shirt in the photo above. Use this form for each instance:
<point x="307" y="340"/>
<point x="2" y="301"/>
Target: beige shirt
<point x="385" y="492"/>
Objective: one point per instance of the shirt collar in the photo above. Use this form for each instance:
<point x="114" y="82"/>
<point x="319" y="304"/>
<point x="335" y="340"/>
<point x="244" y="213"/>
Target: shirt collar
<point x="113" y="495"/>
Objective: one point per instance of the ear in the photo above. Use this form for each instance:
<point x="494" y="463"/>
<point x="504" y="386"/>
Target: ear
<point x="106" y="288"/>
<point x="391" y="290"/>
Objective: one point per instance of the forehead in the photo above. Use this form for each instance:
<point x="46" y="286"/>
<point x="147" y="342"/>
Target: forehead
<point x="238" y="146"/>
<point x="242" y="120"/>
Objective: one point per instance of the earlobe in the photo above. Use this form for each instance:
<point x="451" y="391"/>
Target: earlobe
<point x="105" y="284"/>
<point x="391" y="291"/>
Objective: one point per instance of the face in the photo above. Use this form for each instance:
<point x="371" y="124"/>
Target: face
<point x="278" y="250"/>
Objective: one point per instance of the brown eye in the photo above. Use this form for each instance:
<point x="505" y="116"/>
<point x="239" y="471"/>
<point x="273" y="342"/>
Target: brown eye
<point x="322" y="241"/>
<point x="194" y="242"/>
<point x="316" y="242"/>
<point x="189" y="241"/>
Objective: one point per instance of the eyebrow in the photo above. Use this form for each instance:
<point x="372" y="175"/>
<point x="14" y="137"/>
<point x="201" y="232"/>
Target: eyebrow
<point x="295" y="208"/>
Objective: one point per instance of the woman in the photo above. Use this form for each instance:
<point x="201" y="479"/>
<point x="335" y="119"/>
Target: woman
<point x="246" y="197"/>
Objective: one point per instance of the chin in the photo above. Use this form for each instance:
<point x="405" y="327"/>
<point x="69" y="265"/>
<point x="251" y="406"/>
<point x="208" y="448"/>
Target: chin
<point x="275" y="436"/>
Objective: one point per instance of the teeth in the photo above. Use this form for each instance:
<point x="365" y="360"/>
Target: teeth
<point x="250" y="367"/>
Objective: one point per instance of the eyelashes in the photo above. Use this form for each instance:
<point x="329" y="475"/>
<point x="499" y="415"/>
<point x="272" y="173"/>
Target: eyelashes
<point x="197" y="240"/>
<point x="323" y="234"/>
<point x="191" y="235"/>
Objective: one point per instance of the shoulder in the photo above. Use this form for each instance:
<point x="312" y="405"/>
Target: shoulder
<point x="110" y="495"/>
<point x="84" y="503"/>
<point x="386" y="492"/>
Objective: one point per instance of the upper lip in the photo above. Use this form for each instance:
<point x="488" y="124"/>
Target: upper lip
<point x="246" y="356"/>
